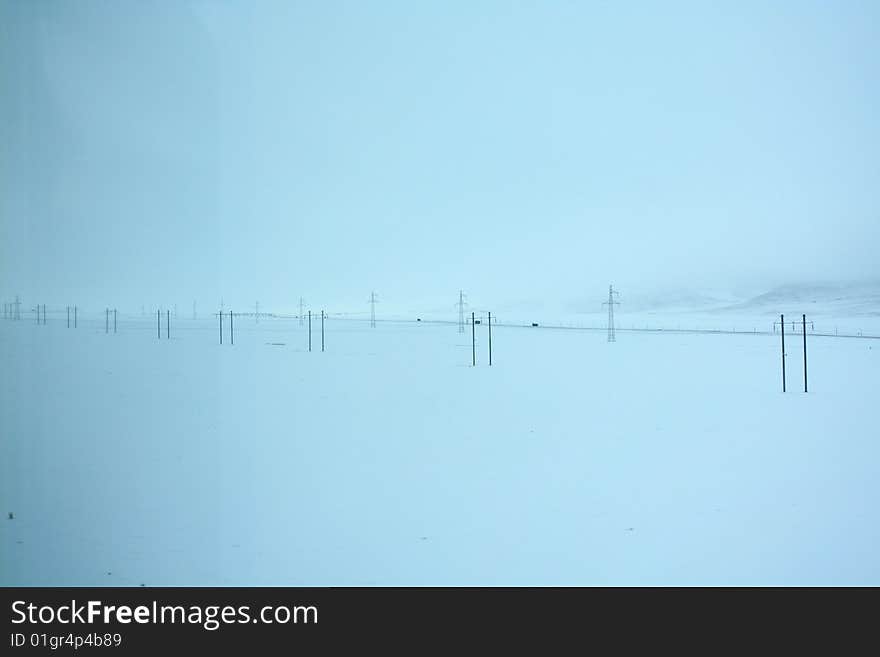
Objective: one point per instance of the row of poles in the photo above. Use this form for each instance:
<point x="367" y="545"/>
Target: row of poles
<point x="12" y="309"/>
<point x="41" y="319"/>
<point x="474" y="339"/>
<point x="782" y="325"/>
<point x="232" y="330"/>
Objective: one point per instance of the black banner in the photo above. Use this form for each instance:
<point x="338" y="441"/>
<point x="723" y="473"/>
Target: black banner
<point x="149" y="620"/>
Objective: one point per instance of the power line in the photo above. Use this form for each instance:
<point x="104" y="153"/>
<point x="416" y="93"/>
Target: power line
<point x="611" y="303"/>
<point x="461" y="305"/>
<point x="373" y="302"/>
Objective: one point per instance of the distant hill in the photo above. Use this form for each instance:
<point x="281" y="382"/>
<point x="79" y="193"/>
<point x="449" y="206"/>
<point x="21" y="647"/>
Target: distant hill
<point x="827" y="298"/>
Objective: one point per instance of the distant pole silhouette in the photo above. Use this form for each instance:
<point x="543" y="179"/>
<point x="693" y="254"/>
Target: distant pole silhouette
<point x="310" y="330"/>
<point x="461" y="305"/>
<point x="68" y="316"/>
<point x="74" y="316"/>
<point x="107" y="320"/>
<point x="220" y="314"/>
<point x="158" y="323"/>
<point x="114" y="320"/>
<point x="231" y="329"/>
<point x="322" y="330"/>
<point x="167" y="324"/>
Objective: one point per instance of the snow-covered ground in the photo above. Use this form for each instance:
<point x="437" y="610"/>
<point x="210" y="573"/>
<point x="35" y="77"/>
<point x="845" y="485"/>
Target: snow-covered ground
<point x="667" y="458"/>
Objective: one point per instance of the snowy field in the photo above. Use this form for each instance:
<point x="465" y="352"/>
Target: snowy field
<point x="389" y="460"/>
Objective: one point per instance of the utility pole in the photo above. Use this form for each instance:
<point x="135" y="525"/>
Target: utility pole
<point x="322" y="330"/>
<point x="782" y="327"/>
<point x="490" y="339"/>
<point x="461" y="305"/>
<point x="804" y="319"/>
<point x="310" y="330"/>
<point x="611" y="303"/>
<point x="301" y="304"/>
<point x="373" y="302"/>
<point x="473" y="340"/>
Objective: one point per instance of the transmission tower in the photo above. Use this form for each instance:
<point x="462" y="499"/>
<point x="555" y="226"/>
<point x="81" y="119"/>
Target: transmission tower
<point x="461" y="305"/>
<point x="373" y="302"/>
<point x="301" y="304"/>
<point x="611" y="303"/>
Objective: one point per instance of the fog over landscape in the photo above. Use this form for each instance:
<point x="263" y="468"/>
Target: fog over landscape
<point x="156" y="153"/>
<point x="169" y="170"/>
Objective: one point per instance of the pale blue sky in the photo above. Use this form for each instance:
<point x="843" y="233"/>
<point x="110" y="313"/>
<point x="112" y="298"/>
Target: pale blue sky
<point x="157" y="152"/>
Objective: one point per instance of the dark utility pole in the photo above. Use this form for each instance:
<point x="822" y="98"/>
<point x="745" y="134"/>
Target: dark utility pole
<point x="490" y="339"/>
<point x="804" y="319"/>
<point x="159" y="324"/>
<point x="782" y="326"/>
<point x="473" y="341"/>
<point x="167" y="324"/>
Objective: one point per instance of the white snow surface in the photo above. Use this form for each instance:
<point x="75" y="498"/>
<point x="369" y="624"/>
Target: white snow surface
<point x="663" y="458"/>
